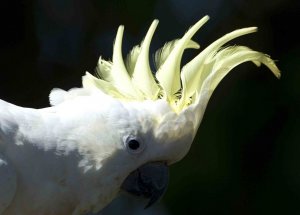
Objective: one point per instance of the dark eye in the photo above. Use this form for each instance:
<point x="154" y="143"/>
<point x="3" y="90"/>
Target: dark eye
<point x="133" y="144"/>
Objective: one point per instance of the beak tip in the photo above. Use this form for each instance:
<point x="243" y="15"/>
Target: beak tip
<point x="149" y="181"/>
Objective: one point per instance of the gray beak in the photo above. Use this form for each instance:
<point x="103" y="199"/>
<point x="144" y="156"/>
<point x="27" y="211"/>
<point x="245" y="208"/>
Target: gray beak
<point x="149" y="181"/>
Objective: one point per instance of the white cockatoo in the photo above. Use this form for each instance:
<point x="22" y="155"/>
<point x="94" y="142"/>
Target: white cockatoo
<point x="120" y="131"/>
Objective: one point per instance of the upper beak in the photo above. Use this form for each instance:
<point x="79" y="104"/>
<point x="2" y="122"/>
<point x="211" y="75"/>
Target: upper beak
<point x="150" y="181"/>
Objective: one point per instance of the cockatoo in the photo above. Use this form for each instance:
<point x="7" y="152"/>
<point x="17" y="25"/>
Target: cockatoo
<point x="120" y="131"/>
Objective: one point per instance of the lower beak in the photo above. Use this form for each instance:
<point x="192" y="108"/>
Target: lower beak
<point x="149" y="181"/>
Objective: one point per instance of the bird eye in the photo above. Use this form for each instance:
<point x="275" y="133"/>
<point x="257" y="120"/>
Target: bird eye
<point x="134" y="145"/>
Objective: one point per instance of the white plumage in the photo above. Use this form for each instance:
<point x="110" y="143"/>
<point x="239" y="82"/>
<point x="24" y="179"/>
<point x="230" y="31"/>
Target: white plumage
<point x="74" y="157"/>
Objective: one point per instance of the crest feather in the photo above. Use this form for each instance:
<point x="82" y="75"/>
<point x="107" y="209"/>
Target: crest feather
<point x="132" y="58"/>
<point x="192" y="86"/>
<point x="119" y="75"/>
<point x="168" y="74"/>
<point x="142" y="75"/>
<point x="103" y="70"/>
<point x="226" y="59"/>
<point x="162" y="53"/>
<point x="199" y="68"/>
<point x="92" y="83"/>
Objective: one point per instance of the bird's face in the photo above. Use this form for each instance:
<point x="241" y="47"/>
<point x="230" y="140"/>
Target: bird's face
<point x="148" y="137"/>
<point x="131" y="143"/>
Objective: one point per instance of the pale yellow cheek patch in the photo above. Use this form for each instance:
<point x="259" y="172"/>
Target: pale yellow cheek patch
<point x="180" y="87"/>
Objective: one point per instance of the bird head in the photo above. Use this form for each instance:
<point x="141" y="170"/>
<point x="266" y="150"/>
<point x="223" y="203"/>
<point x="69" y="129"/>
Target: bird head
<point x="157" y="114"/>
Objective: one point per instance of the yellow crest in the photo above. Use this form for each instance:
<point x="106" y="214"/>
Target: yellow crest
<point x="180" y="87"/>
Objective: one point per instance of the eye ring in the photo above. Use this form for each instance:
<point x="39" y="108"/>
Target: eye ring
<point x="134" y="145"/>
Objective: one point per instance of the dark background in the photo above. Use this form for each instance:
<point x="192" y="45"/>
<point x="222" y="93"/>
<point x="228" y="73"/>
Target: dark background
<point x="246" y="156"/>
